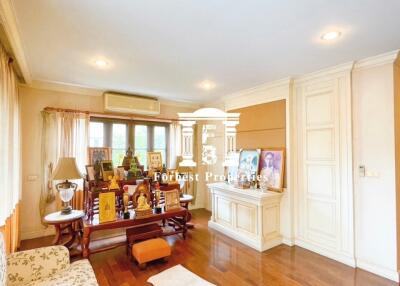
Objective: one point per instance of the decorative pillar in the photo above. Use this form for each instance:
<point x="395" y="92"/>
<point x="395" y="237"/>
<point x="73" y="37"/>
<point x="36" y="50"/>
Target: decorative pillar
<point x="187" y="144"/>
<point x="230" y="142"/>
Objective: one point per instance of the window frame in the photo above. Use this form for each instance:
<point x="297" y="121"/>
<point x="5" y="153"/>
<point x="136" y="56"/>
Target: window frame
<point x="130" y="130"/>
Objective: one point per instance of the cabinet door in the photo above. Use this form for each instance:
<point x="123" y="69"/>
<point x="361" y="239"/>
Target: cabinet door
<point x="246" y="218"/>
<point x="223" y="210"/>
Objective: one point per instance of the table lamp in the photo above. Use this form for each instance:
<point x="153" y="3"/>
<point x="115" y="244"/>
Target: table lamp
<point x="66" y="170"/>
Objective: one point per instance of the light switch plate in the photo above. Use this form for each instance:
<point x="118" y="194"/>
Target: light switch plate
<point x="32" y="178"/>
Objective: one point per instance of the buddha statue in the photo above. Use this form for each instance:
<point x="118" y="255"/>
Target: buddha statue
<point x="113" y="183"/>
<point x="142" y="202"/>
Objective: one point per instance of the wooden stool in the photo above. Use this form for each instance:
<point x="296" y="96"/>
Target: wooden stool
<point x="150" y="250"/>
<point x="141" y="233"/>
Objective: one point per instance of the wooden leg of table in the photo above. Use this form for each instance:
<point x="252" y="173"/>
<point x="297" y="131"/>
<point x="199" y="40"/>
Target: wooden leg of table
<point x="58" y="237"/>
<point x="86" y="243"/>
<point x="184" y="226"/>
<point x="72" y="234"/>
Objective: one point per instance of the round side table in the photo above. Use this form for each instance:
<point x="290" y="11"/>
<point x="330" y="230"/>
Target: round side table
<point x="64" y="222"/>
<point x="185" y="200"/>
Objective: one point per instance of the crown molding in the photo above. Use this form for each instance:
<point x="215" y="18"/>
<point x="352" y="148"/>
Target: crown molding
<point x="326" y="72"/>
<point x="91" y="91"/>
<point x="382" y="59"/>
<point x="10" y="23"/>
<point x="263" y="93"/>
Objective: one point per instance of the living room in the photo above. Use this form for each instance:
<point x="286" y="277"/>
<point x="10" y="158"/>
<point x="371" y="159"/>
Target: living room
<point x="199" y="143"/>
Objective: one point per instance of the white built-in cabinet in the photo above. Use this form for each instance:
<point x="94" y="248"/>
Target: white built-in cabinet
<point x="249" y="216"/>
<point x="323" y="176"/>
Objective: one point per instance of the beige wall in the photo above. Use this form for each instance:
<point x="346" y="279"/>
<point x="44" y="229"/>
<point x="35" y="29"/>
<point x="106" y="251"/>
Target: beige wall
<point x="397" y="150"/>
<point x="374" y="148"/>
<point x="32" y="102"/>
<point x="262" y="125"/>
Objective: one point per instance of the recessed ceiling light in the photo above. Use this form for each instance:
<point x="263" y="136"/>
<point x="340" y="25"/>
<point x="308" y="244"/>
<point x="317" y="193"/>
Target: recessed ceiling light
<point x="101" y="63"/>
<point x="206" y="85"/>
<point x="329" y="36"/>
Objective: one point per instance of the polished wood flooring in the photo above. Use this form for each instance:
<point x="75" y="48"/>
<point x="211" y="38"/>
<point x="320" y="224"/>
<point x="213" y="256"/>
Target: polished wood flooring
<point x="224" y="261"/>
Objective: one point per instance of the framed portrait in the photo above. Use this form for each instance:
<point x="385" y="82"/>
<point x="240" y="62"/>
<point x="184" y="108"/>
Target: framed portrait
<point x="272" y="167"/>
<point x="120" y="172"/>
<point x="107" y="207"/>
<point x="98" y="154"/>
<point x="248" y="162"/>
<point x="90" y="173"/>
<point x="154" y="160"/>
<point x="107" y="169"/>
<point x="172" y="200"/>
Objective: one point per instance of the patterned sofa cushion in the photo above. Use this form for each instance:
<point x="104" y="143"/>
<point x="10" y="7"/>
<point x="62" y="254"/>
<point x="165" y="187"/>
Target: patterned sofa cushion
<point x="36" y="264"/>
<point x="79" y="274"/>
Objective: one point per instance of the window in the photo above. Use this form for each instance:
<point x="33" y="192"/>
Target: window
<point x="96" y="132"/>
<point x="160" y="142"/>
<point x="141" y="144"/>
<point x="119" y="140"/>
<point x="142" y="137"/>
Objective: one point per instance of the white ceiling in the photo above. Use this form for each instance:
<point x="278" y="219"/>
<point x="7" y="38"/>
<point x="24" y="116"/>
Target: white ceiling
<point x="165" y="48"/>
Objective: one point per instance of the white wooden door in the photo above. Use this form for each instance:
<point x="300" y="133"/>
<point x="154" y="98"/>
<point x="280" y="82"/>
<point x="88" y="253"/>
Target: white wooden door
<point x="324" y="177"/>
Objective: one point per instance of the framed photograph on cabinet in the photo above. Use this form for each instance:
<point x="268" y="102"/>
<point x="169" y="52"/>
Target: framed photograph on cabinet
<point x="107" y="207"/>
<point x="154" y="160"/>
<point x="272" y="168"/>
<point x="107" y="169"/>
<point x="90" y="173"/>
<point x="98" y="154"/>
<point x="172" y="200"/>
<point x="248" y="162"/>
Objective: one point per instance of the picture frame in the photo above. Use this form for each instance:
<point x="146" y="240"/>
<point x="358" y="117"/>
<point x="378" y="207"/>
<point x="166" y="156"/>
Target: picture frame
<point x="120" y="172"/>
<point x="98" y="154"/>
<point x="172" y="200"/>
<point x="90" y="173"/>
<point x="154" y="160"/>
<point x="248" y="162"/>
<point x="272" y="169"/>
<point x="107" y="169"/>
<point x="107" y="207"/>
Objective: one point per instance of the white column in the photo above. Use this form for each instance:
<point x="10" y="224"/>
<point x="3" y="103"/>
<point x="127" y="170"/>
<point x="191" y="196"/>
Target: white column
<point x="230" y="142"/>
<point x="187" y="144"/>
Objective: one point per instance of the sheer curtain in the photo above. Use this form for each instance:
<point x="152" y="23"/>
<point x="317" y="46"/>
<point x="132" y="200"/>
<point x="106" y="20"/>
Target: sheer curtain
<point x="175" y="138"/>
<point x="65" y="134"/>
<point x="10" y="151"/>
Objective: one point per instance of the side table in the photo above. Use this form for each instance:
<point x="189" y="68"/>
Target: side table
<point x="64" y="222"/>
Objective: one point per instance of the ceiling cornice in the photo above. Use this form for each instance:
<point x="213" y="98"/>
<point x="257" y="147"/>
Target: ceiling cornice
<point x="9" y="21"/>
<point x="91" y="91"/>
<point x="342" y="68"/>
<point x="382" y="59"/>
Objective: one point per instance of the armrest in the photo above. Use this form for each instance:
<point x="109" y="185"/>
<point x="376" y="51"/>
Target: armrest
<point x="26" y="266"/>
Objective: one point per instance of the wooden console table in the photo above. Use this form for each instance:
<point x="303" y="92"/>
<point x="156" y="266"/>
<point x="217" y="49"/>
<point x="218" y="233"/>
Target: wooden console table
<point x="90" y="226"/>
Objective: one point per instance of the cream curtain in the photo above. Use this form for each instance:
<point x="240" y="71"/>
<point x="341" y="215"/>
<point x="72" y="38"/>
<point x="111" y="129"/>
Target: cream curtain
<point x="10" y="149"/>
<point x="65" y="134"/>
<point x="175" y="139"/>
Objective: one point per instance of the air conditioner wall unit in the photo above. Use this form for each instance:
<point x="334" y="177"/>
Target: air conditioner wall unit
<point x="132" y="104"/>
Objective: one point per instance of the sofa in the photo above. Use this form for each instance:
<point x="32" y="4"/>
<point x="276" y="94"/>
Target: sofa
<point x="43" y="266"/>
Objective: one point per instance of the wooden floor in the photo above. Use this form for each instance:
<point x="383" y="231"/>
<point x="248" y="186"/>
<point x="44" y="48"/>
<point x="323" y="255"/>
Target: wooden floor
<point x="224" y="261"/>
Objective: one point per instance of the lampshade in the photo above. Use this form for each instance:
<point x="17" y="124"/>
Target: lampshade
<point x="66" y="170"/>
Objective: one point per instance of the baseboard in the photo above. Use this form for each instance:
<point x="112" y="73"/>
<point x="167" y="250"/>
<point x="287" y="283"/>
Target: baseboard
<point x="378" y="270"/>
<point x="328" y="253"/>
<point x="37" y="233"/>
<point x="288" y="241"/>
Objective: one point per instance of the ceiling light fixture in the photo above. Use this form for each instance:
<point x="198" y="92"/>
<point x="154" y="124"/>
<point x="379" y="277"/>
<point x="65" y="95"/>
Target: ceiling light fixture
<point x="206" y="85"/>
<point x="329" y="36"/>
<point x="101" y="63"/>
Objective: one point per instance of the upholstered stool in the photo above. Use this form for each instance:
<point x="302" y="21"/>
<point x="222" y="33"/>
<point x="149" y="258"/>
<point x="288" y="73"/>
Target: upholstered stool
<point x="149" y="250"/>
<point x="141" y="233"/>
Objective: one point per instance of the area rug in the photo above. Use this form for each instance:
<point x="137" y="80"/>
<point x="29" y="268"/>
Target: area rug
<point x="178" y="276"/>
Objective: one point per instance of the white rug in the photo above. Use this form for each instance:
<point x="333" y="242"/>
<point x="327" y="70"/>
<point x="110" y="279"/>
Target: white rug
<point x="178" y="276"/>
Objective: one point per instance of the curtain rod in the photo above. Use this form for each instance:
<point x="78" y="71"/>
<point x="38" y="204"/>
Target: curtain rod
<point x="112" y="115"/>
